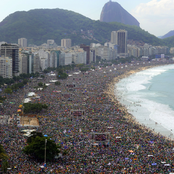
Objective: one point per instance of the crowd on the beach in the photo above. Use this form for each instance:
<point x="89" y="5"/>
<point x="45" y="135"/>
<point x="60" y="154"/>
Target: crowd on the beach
<point x="125" y="146"/>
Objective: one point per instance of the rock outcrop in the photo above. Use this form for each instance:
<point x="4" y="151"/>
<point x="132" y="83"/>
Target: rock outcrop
<point x="114" y="12"/>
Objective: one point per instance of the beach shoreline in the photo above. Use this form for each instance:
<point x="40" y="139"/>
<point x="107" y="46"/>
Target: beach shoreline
<point x="110" y="91"/>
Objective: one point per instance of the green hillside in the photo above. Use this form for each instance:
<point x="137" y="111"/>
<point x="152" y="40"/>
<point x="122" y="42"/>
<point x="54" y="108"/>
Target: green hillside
<point x="42" y="24"/>
<point x="169" y="41"/>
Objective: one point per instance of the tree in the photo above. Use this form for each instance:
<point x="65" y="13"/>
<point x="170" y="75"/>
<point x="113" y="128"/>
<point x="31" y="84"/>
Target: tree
<point x="8" y="90"/>
<point x="33" y="136"/>
<point x="3" y="155"/>
<point x="3" y="158"/>
<point x="25" y="81"/>
<point x="5" y="165"/>
<point x="36" y="147"/>
<point x="40" y="84"/>
<point x="33" y="107"/>
<point x="84" y="69"/>
<point x="57" y="83"/>
<point x="62" y="75"/>
<point x="2" y="98"/>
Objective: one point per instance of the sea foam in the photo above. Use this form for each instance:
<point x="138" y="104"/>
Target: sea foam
<point x="132" y="92"/>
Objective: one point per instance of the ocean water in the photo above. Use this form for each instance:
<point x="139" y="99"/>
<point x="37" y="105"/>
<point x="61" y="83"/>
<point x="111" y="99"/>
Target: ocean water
<point x="149" y="97"/>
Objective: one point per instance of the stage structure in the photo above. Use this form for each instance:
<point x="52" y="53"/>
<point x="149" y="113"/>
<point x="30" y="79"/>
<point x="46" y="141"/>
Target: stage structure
<point x="70" y="85"/>
<point x="99" y="139"/>
<point x="67" y="96"/>
<point x="77" y="113"/>
<point x="76" y="79"/>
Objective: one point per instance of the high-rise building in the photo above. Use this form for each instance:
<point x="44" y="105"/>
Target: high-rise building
<point x="87" y="49"/>
<point x="114" y="37"/>
<point x="66" y="43"/>
<point x="36" y="63"/>
<point x="6" y="67"/>
<point x="11" y="50"/>
<point x="23" y="63"/>
<point x="22" y="42"/>
<point x="93" y="55"/>
<point x="65" y="58"/>
<point x="120" y="39"/>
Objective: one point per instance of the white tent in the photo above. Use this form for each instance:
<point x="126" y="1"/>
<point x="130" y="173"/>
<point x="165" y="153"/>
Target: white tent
<point x="53" y="81"/>
<point x="27" y="100"/>
<point x="31" y="94"/>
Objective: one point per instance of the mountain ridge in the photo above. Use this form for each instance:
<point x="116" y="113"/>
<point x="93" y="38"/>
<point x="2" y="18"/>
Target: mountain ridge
<point x="39" y="25"/>
<point x="169" y="34"/>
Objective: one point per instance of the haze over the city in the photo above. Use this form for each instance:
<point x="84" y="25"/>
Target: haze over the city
<point x="155" y="16"/>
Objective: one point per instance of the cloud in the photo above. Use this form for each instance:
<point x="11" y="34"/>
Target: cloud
<point x="155" y="7"/>
<point x="156" y="16"/>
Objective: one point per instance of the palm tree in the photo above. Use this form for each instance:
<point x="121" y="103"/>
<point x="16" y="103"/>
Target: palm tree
<point x="5" y="166"/>
<point x="2" y="153"/>
<point x="3" y="157"/>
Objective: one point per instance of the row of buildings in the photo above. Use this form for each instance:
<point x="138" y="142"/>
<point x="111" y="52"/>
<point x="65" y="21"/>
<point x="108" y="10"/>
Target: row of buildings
<point x="16" y="59"/>
<point x="66" y="43"/>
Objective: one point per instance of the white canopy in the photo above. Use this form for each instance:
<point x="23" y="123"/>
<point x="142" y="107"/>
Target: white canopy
<point x="30" y="94"/>
<point x="26" y="100"/>
<point x="53" y="81"/>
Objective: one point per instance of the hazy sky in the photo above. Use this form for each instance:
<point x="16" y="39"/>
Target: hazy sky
<point x="155" y="16"/>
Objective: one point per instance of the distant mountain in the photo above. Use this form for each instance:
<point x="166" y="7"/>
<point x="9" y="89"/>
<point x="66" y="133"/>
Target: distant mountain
<point x="114" y="12"/>
<point x="169" y="41"/>
<point x="42" y="24"/>
<point x="169" y="34"/>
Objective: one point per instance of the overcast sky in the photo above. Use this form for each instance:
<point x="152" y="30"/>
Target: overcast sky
<point x="155" y="16"/>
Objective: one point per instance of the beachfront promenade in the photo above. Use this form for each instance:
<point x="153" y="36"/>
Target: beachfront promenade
<point x="130" y="148"/>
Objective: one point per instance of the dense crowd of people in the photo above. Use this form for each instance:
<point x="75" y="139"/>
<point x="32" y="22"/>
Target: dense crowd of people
<point x="104" y="138"/>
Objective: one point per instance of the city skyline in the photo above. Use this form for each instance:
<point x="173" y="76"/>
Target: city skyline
<point x="152" y="14"/>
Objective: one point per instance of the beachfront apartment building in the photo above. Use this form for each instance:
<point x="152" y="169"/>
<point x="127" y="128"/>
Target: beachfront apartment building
<point x="75" y="55"/>
<point x="105" y="52"/>
<point x="44" y="57"/>
<point x="53" y="59"/>
<point x="43" y="63"/>
<point x="93" y="55"/>
<point x="134" y="51"/>
<point x="23" y="63"/>
<point x="146" y="50"/>
<point x="36" y="63"/>
<point x="28" y="62"/>
<point x="6" y="67"/>
<point x="79" y="57"/>
<point x="11" y="50"/>
<point x="65" y="58"/>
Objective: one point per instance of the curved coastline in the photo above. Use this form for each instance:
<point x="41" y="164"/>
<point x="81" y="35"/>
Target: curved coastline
<point x="111" y="91"/>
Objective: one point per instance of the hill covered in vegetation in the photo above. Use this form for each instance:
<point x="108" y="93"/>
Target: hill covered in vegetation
<point x="42" y="24"/>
